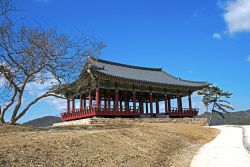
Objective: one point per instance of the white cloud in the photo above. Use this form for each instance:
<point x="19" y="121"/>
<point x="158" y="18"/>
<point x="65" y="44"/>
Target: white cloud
<point x="37" y="89"/>
<point x="248" y="58"/>
<point x="216" y="36"/>
<point x="33" y="90"/>
<point x="237" y="15"/>
<point x="59" y="104"/>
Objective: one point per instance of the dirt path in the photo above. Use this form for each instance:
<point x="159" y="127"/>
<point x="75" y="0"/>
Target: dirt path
<point x="246" y="137"/>
<point x="226" y="149"/>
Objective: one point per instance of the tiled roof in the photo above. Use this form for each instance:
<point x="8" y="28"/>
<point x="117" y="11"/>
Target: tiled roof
<point x="153" y="75"/>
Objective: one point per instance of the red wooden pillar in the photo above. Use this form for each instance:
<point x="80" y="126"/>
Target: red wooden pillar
<point x="73" y="105"/>
<point x="126" y="103"/>
<point x="166" y="104"/>
<point x="90" y="100"/>
<point x="84" y="101"/>
<point x="80" y="102"/>
<point x="105" y="104"/>
<point x="121" y="107"/>
<point x="141" y="106"/>
<point x="146" y="106"/>
<point x="169" y="104"/>
<point x="157" y="105"/>
<point x="68" y="105"/>
<point x="179" y="103"/>
<point x="151" y="103"/>
<point x="190" y="102"/>
<point x="116" y="100"/>
<point x="109" y="107"/>
<point x="97" y="94"/>
<point x="134" y="101"/>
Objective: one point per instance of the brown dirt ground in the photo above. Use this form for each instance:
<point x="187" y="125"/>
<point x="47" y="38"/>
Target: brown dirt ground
<point x="138" y="145"/>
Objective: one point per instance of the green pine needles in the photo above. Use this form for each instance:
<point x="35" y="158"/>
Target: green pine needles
<point x="216" y="98"/>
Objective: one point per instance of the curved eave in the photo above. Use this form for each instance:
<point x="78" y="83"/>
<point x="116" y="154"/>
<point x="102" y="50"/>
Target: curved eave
<point x="205" y="84"/>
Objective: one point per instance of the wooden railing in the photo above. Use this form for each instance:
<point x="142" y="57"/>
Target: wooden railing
<point x="129" y="112"/>
<point x="102" y="111"/>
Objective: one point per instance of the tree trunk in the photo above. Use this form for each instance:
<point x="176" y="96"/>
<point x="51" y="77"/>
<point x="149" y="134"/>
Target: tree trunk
<point x="2" y="121"/>
<point x="12" y="122"/>
<point x="16" y="117"/>
<point x="210" y="118"/>
<point x="207" y="115"/>
<point x="17" y="107"/>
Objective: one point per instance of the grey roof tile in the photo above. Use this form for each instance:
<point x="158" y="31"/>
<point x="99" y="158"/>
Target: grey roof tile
<point x="154" y="75"/>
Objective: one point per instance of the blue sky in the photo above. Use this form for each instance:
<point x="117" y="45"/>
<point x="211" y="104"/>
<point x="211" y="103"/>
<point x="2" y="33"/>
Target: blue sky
<point x="195" y="40"/>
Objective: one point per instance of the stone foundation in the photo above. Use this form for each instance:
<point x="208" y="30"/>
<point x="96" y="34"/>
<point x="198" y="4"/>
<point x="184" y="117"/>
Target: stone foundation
<point x="103" y="121"/>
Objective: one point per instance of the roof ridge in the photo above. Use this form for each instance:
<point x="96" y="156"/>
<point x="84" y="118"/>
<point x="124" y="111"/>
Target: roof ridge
<point x="204" y="82"/>
<point x="180" y="79"/>
<point x="125" y="65"/>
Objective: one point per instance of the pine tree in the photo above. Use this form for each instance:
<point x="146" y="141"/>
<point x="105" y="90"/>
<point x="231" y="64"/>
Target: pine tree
<point x="217" y="98"/>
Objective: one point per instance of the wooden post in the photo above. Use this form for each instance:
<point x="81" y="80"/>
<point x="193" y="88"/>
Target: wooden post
<point x="151" y="103"/>
<point x="157" y="105"/>
<point x="105" y="103"/>
<point x="121" y="107"/>
<point x="141" y="106"/>
<point x="97" y="94"/>
<point x="116" y="100"/>
<point x="166" y="104"/>
<point x="68" y="105"/>
<point x="190" y="102"/>
<point x="146" y="106"/>
<point x="126" y="103"/>
<point x="134" y="101"/>
<point x="179" y="102"/>
<point x="169" y="103"/>
<point x="80" y="102"/>
<point x="109" y="107"/>
<point x="73" y="105"/>
<point x="84" y="101"/>
<point x="90" y="99"/>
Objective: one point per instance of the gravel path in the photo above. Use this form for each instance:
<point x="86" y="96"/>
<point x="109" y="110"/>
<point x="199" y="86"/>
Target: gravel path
<point x="246" y="137"/>
<point x="226" y="149"/>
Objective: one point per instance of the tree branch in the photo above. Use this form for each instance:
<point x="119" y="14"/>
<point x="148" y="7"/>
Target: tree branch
<point x="32" y="103"/>
<point x="10" y="103"/>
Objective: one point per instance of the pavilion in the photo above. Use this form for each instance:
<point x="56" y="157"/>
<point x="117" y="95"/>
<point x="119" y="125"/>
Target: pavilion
<point x="109" y="89"/>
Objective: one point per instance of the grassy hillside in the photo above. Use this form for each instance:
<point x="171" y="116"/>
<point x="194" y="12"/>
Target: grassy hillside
<point x="232" y="118"/>
<point x="139" y="145"/>
<point x="44" y="121"/>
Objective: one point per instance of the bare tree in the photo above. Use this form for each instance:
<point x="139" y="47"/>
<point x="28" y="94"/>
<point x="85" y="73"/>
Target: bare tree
<point x="36" y="55"/>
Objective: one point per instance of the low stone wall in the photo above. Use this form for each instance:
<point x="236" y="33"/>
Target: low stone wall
<point x="103" y="121"/>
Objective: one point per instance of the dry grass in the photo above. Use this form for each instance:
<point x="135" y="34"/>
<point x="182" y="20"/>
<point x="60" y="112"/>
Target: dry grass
<point x="115" y="145"/>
